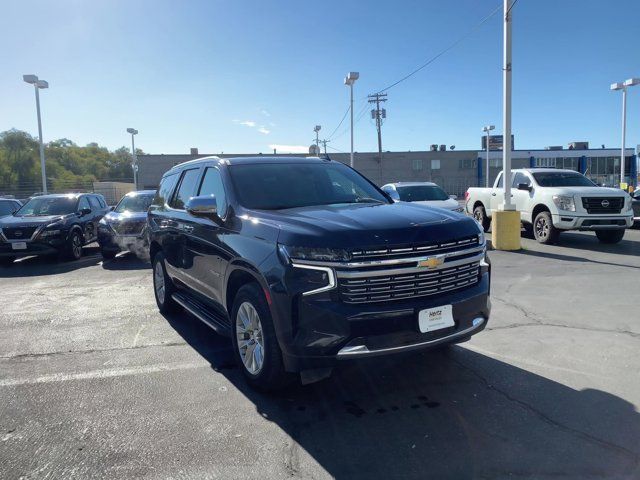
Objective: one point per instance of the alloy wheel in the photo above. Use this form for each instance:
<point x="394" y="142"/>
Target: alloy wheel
<point x="542" y="228"/>
<point x="249" y="338"/>
<point x="76" y="246"/>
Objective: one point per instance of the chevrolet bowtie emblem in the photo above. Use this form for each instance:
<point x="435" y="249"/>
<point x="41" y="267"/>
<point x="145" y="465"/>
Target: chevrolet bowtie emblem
<point x="431" y="262"/>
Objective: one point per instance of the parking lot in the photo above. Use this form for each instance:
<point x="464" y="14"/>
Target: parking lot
<point x="94" y="382"/>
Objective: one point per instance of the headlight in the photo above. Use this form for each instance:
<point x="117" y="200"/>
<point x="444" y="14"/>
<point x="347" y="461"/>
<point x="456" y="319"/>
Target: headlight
<point x="481" y="239"/>
<point x="49" y="233"/>
<point x="316" y="254"/>
<point x="628" y="203"/>
<point x="564" y="202"/>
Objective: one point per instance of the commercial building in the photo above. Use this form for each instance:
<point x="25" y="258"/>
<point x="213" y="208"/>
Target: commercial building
<point x="454" y="170"/>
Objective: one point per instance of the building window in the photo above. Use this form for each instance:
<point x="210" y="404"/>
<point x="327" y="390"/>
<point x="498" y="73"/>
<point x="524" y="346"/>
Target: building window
<point x="435" y="164"/>
<point x="417" y="164"/>
<point x="495" y="162"/>
<point x="466" y="163"/>
<point x="546" y="162"/>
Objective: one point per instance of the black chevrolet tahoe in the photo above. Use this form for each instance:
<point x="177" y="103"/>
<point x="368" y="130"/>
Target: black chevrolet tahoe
<point x="303" y="262"/>
<point x="51" y="225"/>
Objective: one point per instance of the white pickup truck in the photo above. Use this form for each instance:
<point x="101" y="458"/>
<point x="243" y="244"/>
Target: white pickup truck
<point x="551" y="201"/>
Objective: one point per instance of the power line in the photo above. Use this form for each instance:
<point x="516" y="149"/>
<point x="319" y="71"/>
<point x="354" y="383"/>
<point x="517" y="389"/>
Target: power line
<point x="450" y="47"/>
<point x="341" y="121"/>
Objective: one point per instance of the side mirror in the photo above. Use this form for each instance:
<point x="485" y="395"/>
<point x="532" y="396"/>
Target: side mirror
<point x="84" y="211"/>
<point x="525" y="186"/>
<point x="393" y="194"/>
<point x="453" y="197"/>
<point x="112" y="208"/>
<point x="204" y="206"/>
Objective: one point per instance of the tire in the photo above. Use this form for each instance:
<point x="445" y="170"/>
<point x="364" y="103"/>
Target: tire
<point x="543" y="229"/>
<point x="480" y="214"/>
<point x="108" y="254"/>
<point x="610" y="236"/>
<point x="262" y="366"/>
<point x="163" y="286"/>
<point x="6" y="261"/>
<point x="73" y="248"/>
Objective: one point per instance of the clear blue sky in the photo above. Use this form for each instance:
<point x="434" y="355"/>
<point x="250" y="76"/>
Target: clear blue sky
<point x="203" y="73"/>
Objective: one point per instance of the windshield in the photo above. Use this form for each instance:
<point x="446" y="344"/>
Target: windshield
<point x="6" y="208"/>
<point x="421" y="193"/>
<point x="134" y="203"/>
<point x="290" y="185"/>
<point x="41" y="206"/>
<point x="562" y="179"/>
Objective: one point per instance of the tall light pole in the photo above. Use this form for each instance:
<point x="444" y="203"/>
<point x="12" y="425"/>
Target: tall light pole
<point x="623" y="86"/>
<point x="134" y="157"/>
<point x="317" y="129"/>
<point x="349" y="80"/>
<point x="487" y="129"/>
<point x="506" y="105"/>
<point x="38" y="84"/>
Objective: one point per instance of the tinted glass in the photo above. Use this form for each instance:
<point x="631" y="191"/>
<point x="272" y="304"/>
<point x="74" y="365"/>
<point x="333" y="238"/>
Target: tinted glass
<point x="519" y="178"/>
<point x="562" y="179"/>
<point x="95" y="204"/>
<point x="500" y="182"/>
<point x="164" y="191"/>
<point x="186" y="189"/>
<point x="7" y="208"/>
<point x="291" y="185"/>
<point x="212" y="185"/>
<point x="49" y="206"/>
<point x="84" y="203"/>
<point x="421" y="193"/>
<point x="134" y="203"/>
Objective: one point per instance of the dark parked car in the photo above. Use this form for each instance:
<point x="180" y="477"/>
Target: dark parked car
<point x="304" y="262"/>
<point x="8" y="206"/>
<point x="51" y="224"/>
<point x="124" y="228"/>
<point x="636" y="208"/>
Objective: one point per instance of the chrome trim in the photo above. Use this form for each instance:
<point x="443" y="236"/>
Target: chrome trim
<point x="363" y="351"/>
<point x="328" y="271"/>
<point x="35" y="233"/>
<point x="393" y="261"/>
<point x="400" y="271"/>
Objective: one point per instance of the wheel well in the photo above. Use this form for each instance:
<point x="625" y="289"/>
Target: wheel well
<point x="237" y="280"/>
<point x="537" y="209"/>
<point x="478" y="204"/>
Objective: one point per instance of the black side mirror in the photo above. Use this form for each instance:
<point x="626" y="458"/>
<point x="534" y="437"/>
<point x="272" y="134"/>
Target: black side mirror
<point x="525" y="186"/>
<point x="84" y="211"/>
<point x="204" y="206"/>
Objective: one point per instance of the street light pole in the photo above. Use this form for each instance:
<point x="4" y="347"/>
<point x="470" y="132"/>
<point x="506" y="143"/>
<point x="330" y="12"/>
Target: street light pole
<point x="506" y="114"/>
<point x="317" y="129"/>
<point x="350" y="79"/>
<point x="623" y="86"/>
<point x="487" y="129"/>
<point x="134" y="157"/>
<point x="38" y="84"/>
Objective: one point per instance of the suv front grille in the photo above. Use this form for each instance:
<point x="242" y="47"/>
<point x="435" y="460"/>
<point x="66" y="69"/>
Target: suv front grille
<point x="400" y="286"/>
<point x="129" y="228"/>
<point x="18" y="233"/>
<point x="599" y="205"/>
<point x="414" y="250"/>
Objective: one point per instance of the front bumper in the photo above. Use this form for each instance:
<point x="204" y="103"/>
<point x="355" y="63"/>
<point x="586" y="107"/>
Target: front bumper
<point x="324" y="331"/>
<point x="567" y="221"/>
<point x="37" y="247"/>
<point x="109" y="240"/>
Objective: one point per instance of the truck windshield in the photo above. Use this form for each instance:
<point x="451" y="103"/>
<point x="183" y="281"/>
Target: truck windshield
<point x="562" y="179"/>
<point x="41" y="206"/>
<point x="421" y="193"/>
<point x="134" y="203"/>
<point x="278" y="186"/>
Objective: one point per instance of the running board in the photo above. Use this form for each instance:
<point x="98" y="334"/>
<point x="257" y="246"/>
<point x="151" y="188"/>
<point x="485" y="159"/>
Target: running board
<point x="202" y="313"/>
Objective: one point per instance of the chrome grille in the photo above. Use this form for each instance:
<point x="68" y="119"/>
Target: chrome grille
<point x="414" y="250"/>
<point x="128" y="228"/>
<point x="598" y="205"/>
<point x="18" y="233"/>
<point x="379" y="288"/>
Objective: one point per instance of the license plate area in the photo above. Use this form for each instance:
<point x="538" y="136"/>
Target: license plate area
<point x="19" y="245"/>
<point x="436" y="318"/>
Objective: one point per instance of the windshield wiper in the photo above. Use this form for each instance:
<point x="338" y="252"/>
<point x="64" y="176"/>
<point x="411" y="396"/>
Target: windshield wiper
<point x="367" y="200"/>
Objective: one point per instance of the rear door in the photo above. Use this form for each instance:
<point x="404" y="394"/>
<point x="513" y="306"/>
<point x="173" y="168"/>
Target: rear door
<point x="89" y="227"/>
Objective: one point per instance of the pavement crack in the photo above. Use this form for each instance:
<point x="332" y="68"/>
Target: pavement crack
<point x="548" y="420"/>
<point x="93" y="350"/>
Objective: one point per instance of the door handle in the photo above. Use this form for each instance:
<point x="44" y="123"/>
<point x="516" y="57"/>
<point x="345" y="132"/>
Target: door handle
<point x="187" y="228"/>
<point x="493" y="194"/>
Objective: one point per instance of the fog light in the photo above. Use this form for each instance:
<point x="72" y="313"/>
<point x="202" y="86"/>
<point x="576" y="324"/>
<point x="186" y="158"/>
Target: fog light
<point x="477" y="321"/>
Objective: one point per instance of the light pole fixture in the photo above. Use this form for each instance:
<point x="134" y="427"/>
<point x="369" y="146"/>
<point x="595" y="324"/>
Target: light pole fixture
<point x="317" y="129"/>
<point x="349" y="80"/>
<point x="134" y="157"/>
<point x="623" y="86"/>
<point x="38" y="84"/>
<point x="487" y="129"/>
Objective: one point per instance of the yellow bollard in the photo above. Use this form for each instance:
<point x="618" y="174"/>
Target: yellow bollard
<point x="505" y="230"/>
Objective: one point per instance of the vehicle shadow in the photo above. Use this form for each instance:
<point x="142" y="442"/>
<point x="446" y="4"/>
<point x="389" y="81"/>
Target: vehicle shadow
<point x="589" y="242"/>
<point x="126" y="261"/>
<point x="572" y="258"/>
<point x="50" y="265"/>
<point x="442" y="414"/>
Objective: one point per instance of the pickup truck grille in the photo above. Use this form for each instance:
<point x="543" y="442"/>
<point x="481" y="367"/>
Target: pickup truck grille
<point x="600" y="205"/>
<point x="129" y="228"/>
<point x="379" y="288"/>
<point x="414" y="250"/>
<point x="18" y="233"/>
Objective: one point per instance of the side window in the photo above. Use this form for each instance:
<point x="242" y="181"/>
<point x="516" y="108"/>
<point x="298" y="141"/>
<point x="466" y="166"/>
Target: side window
<point x="84" y="203"/>
<point x="95" y="204"/>
<point x="212" y="185"/>
<point x="519" y="178"/>
<point x="500" y="183"/>
<point x="165" y="190"/>
<point x="185" y="190"/>
<point x="102" y="201"/>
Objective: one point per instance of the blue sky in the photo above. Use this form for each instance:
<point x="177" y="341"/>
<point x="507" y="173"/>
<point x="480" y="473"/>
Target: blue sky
<point x="240" y="76"/>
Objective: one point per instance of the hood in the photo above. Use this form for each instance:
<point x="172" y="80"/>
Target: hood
<point x="27" y="221"/>
<point x="126" y="216"/>
<point x="586" y="191"/>
<point x="449" y="203"/>
<point x="358" y="226"/>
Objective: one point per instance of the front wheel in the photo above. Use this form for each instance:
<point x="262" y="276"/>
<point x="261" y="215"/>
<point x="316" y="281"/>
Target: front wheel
<point x="543" y="229"/>
<point x="610" y="236"/>
<point x="480" y="214"/>
<point x="254" y="341"/>
<point x="73" y="250"/>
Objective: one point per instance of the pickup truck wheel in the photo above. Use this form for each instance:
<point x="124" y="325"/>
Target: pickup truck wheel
<point x="543" y="229"/>
<point x="480" y="214"/>
<point x="610" y="236"/>
<point x="163" y="287"/>
<point x="73" y="248"/>
<point x="254" y="341"/>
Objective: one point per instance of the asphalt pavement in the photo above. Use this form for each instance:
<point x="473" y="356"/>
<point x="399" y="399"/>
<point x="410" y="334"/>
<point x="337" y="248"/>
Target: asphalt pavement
<point x="95" y="382"/>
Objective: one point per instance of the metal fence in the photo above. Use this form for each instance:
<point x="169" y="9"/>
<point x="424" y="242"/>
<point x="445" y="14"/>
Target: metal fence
<point x="111" y="189"/>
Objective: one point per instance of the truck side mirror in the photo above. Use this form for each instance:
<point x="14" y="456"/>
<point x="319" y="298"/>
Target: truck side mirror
<point x="525" y="186"/>
<point x="204" y="206"/>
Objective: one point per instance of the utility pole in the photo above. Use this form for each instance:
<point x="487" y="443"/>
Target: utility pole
<point x="378" y="114"/>
<point x="324" y="145"/>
